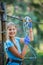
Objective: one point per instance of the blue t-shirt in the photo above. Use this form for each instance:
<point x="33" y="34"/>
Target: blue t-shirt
<point x="8" y="44"/>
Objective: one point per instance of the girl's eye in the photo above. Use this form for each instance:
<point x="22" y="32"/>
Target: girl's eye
<point x="9" y="29"/>
<point x="13" y="29"/>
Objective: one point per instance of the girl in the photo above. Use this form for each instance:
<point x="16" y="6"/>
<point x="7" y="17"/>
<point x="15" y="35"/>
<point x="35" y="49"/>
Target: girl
<point x="12" y="46"/>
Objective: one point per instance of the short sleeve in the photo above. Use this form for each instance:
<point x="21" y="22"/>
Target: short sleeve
<point x="9" y="44"/>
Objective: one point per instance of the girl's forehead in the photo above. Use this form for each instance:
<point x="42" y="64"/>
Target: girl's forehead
<point x="11" y="25"/>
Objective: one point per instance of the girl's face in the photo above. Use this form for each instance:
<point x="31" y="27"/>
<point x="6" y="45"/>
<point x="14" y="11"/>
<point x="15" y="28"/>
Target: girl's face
<point x="11" y="31"/>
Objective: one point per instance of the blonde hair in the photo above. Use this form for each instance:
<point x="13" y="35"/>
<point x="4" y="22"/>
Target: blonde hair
<point x="10" y="23"/>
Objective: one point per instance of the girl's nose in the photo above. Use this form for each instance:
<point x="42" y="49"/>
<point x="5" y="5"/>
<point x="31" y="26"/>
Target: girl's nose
<point x="12" y="30"/>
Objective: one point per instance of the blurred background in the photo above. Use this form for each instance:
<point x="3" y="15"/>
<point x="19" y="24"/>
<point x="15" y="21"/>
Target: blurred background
<point x="33" y="9"/>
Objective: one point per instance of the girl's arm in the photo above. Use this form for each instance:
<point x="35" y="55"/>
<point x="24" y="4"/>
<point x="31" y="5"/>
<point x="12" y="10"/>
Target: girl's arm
<point x="16" y="53"/>
<point x="31" y="34"/>
<point x="24" y="51"/>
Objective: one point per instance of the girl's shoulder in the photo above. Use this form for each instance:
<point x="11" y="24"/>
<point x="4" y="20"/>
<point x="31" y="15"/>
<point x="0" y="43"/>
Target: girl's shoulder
<point x="8" y="43"/>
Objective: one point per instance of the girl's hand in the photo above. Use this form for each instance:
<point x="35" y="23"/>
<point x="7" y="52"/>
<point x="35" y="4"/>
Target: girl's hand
<point x="26" y="40"/>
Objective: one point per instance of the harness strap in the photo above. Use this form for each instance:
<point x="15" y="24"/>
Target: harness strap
<point x="11" y="60"/>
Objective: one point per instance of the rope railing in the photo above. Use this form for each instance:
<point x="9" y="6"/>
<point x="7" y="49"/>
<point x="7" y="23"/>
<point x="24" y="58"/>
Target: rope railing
<point x="22" y="19"/>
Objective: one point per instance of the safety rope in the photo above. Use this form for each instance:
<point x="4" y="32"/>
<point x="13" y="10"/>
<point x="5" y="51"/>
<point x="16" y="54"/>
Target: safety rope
<point x="26" y="32"/>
